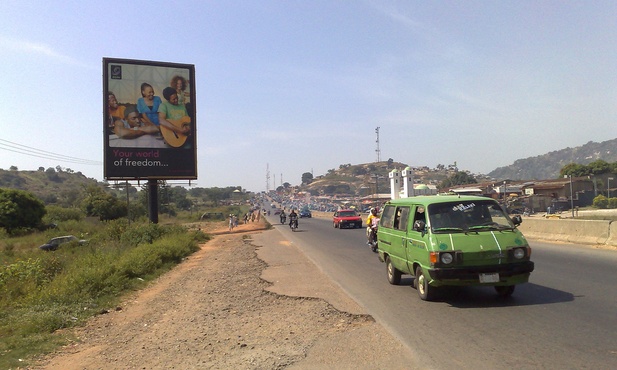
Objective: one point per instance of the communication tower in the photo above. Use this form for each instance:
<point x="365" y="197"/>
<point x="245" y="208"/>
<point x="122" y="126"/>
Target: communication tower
<point x="378" y="151"/>
<point x="267" y="177"/>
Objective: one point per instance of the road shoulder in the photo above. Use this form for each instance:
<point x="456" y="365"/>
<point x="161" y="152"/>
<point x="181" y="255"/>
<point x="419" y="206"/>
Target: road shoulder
<point x="366" y="346"/>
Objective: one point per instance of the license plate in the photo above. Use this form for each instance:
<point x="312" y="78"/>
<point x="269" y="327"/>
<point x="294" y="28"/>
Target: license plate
<point x="489" y="278"/>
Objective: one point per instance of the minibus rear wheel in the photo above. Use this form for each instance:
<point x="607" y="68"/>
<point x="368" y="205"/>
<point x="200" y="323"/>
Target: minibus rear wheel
<point x="394" y="275"/>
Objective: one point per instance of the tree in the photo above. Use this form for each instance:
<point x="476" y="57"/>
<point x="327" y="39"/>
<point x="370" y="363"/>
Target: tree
<point x="598" y="167"/>
<point x="13" y="168"/>
<point x="574" y="170"/>
<point x="613" y="167"/>
<point x="99" y="203"/>
<point x="20" y="209"/>
<point x="307" y="178"/>
<point x="358" y="171"/>
<point x="459" y="178"/>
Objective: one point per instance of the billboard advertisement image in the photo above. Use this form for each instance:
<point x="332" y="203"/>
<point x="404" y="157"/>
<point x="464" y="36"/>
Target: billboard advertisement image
<point x="149" y="123"/>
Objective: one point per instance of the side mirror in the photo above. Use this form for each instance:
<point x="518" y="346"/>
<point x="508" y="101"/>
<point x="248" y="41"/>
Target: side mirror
<point x="517" y="220"/>
<point x="419" y="226"/>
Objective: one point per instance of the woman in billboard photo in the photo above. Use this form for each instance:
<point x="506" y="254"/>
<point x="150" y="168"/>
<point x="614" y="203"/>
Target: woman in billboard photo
<point x="148" y="104"/>
<point x="180" y="84"/>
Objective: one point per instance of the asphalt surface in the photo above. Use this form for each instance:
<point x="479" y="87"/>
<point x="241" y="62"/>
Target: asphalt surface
<point x="563" y="318"/>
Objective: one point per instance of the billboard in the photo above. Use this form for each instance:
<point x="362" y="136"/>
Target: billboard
<point x="149" y="124"/>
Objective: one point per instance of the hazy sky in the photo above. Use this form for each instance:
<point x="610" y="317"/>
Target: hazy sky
<point x="301" y="85"/>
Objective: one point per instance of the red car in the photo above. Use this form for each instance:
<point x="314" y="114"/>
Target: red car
<point x="347" y="218"/>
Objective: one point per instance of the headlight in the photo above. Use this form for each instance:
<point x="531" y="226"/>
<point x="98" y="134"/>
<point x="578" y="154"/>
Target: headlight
<point x="446" y="258"/>
<point x="519" y="253"/>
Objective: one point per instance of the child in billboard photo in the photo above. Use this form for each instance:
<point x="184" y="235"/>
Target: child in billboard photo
<point x="114" y="111"/>
<point x="174" y="121"/>
<point x="180" y="84"/>
<point x="148" y="104"/>
<point x="132" y="126"/>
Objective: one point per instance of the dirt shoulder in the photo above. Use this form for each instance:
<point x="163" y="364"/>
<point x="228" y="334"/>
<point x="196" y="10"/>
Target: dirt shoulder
<point x="247" y="300"/>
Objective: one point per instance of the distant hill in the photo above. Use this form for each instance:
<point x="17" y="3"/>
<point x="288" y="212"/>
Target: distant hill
<point x="63" y="186"/>
<point x="51" y="185"/>
<point x="368" y="178"/>
<point x="547" y="166"/>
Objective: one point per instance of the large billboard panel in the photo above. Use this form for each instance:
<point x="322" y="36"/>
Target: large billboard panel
<point x="149" y="120"/>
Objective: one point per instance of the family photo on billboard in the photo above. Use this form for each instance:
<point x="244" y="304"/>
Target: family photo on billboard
<point x="149" y="125"/>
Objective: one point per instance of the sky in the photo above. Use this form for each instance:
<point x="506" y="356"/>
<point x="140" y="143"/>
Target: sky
<point x="289" y="87"/>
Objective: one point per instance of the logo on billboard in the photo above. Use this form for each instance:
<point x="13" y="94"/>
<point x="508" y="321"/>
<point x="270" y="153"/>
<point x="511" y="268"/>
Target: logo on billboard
<point x="116" y="72"/>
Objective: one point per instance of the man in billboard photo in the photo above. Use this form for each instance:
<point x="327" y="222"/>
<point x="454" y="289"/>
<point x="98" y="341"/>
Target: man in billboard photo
<point x="174" y="121"/>
<point x="132" y="127"/>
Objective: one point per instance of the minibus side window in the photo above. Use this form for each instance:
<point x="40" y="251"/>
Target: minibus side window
<point x="387" y="217"/>
<point x="419" y="215"/>
<point x="400" y="220"/>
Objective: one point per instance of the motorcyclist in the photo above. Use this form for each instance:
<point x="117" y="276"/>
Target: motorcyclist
<point x="371" y="225"/>
<point x="293" y="217"/>
<point x="283" y="216"/>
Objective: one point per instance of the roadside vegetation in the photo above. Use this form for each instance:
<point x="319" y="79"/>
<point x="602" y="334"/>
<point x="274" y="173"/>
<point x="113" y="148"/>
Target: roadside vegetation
<point x="43" y="292"/>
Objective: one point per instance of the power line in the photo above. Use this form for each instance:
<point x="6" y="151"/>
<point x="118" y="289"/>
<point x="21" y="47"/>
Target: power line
<point x="34" y="152"/>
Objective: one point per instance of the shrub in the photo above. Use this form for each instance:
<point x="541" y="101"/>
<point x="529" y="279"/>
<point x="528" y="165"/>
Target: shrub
<point x="142" y="234"/>
<point x="600" y="202"/>
<point x="58" y="214"/>
<point x="20" y="278"/>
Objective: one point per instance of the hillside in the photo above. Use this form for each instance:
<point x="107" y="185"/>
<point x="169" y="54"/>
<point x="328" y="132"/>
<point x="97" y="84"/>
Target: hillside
<point x="369" y="178"/>
<point x="547" y="166"/>
<point x="63" y="186"/>
<point x="51" y="185"/>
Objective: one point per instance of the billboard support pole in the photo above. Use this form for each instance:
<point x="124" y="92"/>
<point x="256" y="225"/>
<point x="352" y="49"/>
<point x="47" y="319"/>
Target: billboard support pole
<point x="153" y="205"/>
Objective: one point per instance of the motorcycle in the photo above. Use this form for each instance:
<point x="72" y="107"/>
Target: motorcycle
<point x="283" y="219"/>
<point x="293" y="224"/>
<point x="372" y="238"/>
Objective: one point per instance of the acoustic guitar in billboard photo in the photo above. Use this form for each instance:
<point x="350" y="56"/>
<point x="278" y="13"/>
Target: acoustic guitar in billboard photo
<point x="173" y="138"/>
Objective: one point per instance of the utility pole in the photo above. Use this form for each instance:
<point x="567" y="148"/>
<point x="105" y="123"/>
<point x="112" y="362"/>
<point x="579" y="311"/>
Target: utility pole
<point x="378" y="151"/>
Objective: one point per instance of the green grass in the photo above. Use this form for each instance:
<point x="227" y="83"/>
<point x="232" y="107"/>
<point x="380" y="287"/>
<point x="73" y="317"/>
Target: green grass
<point x="42" y="292"/>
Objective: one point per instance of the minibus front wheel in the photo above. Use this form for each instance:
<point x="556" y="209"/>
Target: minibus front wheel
<point x="425" y="291"/>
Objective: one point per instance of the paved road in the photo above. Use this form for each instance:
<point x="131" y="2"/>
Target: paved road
<point x="565" y="318"/>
